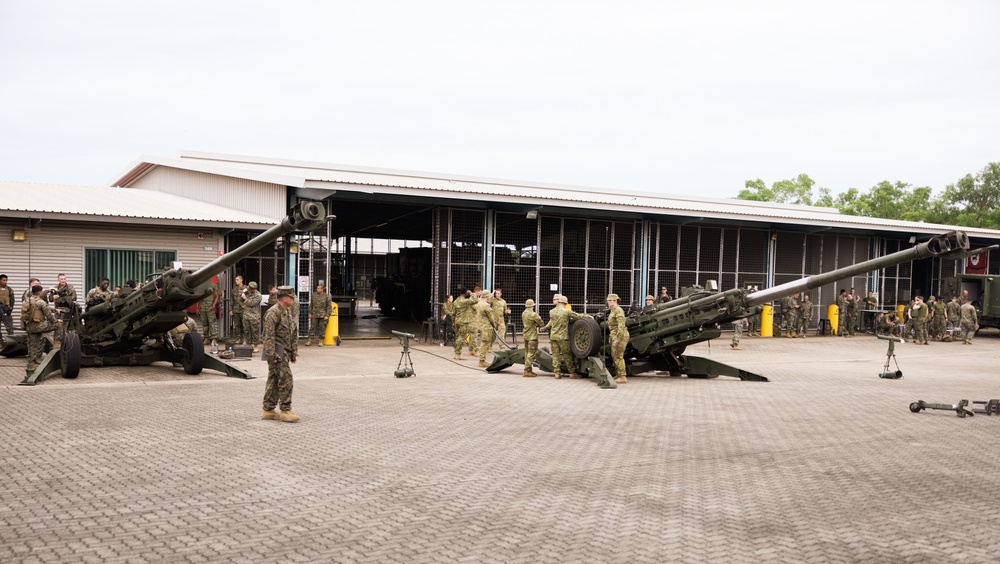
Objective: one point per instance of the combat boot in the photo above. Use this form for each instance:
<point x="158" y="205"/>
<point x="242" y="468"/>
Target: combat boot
<point x="269" y="415"/>
<point x="557" y="375"/>
<point x="459" y="357"/>
<point x="288" y="417"/>
<point x="802" y="335"/>
<point x="319" y="343"/>
<point x="482" y="364"/>
<point x="309" y="342"/>
<point x="574" y="376"/>
<point x="620" y="379"/>
<point x="736" y="347"/>
<point x="529" y="374"/>
<point x="255" y="349"/>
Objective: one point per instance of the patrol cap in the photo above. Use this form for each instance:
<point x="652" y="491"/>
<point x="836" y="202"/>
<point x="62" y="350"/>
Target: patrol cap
<point x="650" y="297"/>
<point x="612" y="297"/>
<point x="931" y="298"/>
<point x="529" y="303"/>
<point x="556" y="297"/>
<point x="563" y="299"/>
<point x="252" y="285"/>
<point x="286" y="292"/>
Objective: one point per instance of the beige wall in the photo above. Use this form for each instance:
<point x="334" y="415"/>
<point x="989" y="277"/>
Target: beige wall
<point x="246" y="195"/>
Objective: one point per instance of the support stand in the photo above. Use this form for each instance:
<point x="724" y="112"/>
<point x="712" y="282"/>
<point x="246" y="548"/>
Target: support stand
<point x="890" y="355"/>
<point x="405" y="367"/>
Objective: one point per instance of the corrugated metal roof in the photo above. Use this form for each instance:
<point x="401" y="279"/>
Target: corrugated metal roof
<point x="120" y="205"/>
<point x="411" y="183"/>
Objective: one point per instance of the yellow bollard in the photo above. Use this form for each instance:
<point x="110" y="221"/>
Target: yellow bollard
<point x="833" y="314"/>
<point x="900" y="311"/>
<point x="332" y="327"/>
<point x="767" y="320"/>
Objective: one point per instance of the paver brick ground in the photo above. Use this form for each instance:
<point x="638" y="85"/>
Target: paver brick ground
<point x="825" y="463"/>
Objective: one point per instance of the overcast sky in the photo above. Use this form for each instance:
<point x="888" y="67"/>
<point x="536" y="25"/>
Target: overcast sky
<point x="661" y="96"/>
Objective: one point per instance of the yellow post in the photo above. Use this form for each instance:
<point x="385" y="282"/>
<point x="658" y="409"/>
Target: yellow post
<point x="900" y="311"/>
<point x="767" y="321"/>
<point x="833" y="314"/>
<point x="332" y="327"/>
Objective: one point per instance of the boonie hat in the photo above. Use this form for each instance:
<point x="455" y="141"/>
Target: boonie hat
<point x="529" y="303"/>
<point x="286" y="291"/>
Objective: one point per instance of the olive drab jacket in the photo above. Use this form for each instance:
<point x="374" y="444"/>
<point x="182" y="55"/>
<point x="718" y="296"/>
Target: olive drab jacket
<point x="531" y="322"/>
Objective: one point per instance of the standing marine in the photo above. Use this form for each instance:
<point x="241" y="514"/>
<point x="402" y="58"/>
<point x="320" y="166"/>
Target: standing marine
<point x="281" y="334"/>
<point x="842" y="312"/>
<point x="463" y="316"/>
<point x="319" y="314"/>
<point x="851" y="317"/>
<point x="99" y="294"/>
<point x="37" y="319"/>
<point x="739" y="326"/>
<point x="500" y="310"/>
<point x="251" y="316"/>
<point x="969" y="323"/>
<point x="953" y="309"/>
<point x="236" y="309"/>
<point x="920" y="314"/>
<point x="206" y="314"/>
<point x="531" y="322"/>
<point x="63" y="298"/>
<point x="805" y="315"/>
<point x="558" y="325"/>
<point x="618" y="335"/>
<point x="939" y="320"/>
<point x="483" y="324"/>
<point x="6" y="307"/>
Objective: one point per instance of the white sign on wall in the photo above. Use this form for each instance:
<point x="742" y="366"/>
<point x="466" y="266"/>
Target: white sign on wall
<point x="303" y="283"/>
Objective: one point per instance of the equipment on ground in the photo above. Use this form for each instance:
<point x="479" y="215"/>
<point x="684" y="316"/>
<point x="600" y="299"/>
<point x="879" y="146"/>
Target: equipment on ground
<point x="958" y="408"/>
<point x="890" y="354"/>
<point x="405" y="367"/>
<point x="135" y="329"/>
<point x="660" y="333"/>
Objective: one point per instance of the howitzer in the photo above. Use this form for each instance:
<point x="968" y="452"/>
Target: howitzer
<point x="660" y="333"/>
<point x="134" y="329"/>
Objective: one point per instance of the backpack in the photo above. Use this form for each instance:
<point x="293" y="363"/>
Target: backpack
<point x="26" y="312"/>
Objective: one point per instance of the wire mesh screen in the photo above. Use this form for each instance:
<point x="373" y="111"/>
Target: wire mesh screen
<point x="694" y="255"/>
<point x="465" y="248"/>
<point x="515" y="255"/>
<point x="895" y="281"/>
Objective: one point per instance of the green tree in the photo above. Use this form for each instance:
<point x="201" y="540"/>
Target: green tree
<point x="796" y="191"/>
<point x="973" y="201"/>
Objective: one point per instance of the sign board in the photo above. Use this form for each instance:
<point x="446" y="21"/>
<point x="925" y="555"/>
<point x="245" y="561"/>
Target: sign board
<point x="303" y="283"/>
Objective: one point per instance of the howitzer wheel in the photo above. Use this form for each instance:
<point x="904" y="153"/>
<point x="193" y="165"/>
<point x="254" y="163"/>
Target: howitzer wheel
<point x="193" y="353"/>
<point x="915" y="407"/>
<point x="69" y="360"/>
<point x="585" y="337"/>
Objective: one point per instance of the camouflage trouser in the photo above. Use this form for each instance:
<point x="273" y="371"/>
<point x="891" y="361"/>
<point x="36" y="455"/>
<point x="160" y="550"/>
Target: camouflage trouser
<point x="60" y="328"/>
<point x="278" y="391"/>
<point x="851" y="321"/>
<point x="317" y="329"/>
<point x="920" y="326"/>
<point x="486" y="342"/>
<point x="793" y="323"/>
<point x="908" y="329"/>
<point x="561" y="353"/>
<point x="208" y="324"/>
<point x="530" y="350"/>
<point x="502" y="330"/>
<point x="618" y="355"/>
<point x="968" y="330"/>
<point x="842" y="322"/>
<point x="804" y="325"/>
<point x="737" y="333"/>
<point x="461" y="334"/>
<point x="36" y="348"/>
<point x="238" y="326"/>
<point x="936" y="328"/>
<point x="755" y="324"/>
<point x="8" y="322"/>
<point x="251" y="329"/>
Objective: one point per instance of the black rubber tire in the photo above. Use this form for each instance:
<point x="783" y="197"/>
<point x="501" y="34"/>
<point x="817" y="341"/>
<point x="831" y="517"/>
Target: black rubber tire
<point x="70" y="359"/>
<point x="193" y="353"/>
<point x="915" y="407"/>
<point x="585" y="338"/>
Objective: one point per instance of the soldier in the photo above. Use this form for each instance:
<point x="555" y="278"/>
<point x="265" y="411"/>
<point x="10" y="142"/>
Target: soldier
<point x="251" y="315"/>
<point x="463" y="316"/>
<point x="650" y="303"/>
<point x="805" y="316"/>
<point x="790" y="315"/>
<point x="871" y="302"/>
<point x="920" y="315"/>
<point x="841" y="312"/>
<point x="738" y="327"/>
<point x="969" y="322"/>
<point x="939" y="318"/>
<point x="129" y="287"/>
<point x="483" y="324"/>
<point x="888" y="324"/>
<point x="908" y="321"/>
<point x="664" y="296"/>
<point x="99" y="294"/>
<point x="281" y="334"/>
<point x="236" y="309"/>
<point x="964" y="299"/>
<point x="177" y="333"/>
<point x="447" y="318"/>
<point x="37" y="319"/>
<point x="63" y="297"/>
<point x="558" y="327"/>
<point x="851" y="317"/>
<point x="532" y="322"/>
<point x="206" y="314"/>
<point x="6" y="307"/>
<point x="618" y="335"/>
<point x="319" y="313"/>
<point x="27" y="293"/>
<point x="953" y="309"/>
<point x="500" y="310"/>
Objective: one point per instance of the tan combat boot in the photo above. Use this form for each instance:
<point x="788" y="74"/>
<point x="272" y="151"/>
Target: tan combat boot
<point x="255" y="349"/>
<point x="482" y="364"/>
<point x="575" y="376"/>
<point x="621" y="380"/>
<point x="309" y="342"/>
<point x="459" y="357"/>
<point x="288" y="417"/>
<point x="557" y="375"/>
<point x="269" y="415"/>
<point x="529" y="374"/>
<point x="319" y="343"/>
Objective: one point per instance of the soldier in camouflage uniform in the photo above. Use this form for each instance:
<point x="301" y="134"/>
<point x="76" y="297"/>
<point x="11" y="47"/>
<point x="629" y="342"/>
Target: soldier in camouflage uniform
<point x="939" y="317"/>
<point x="177" y="333"/>
<point x="99" y="294"/>
<point x="63" y="298"/>
<point x="251" y="315"/>
<point x="618" y="335"/>
<point x="500" y="309"/>
<point x="650" y="303"/>
<point x="38" y="319"/>
<point x="483" y="325"/>
<point x="888" y="324"/>
<point x="739" y="326"/>
<point x="281" y="335"/>
<point x="805" y="316"/>
<point x="969" y="322"/>
<point x="851" y="316"/>
<point x="920" y="315"/>
<point x="531" y="322"/>
<point x="841" y="312"/>
<point x="790" y="315"/>
<point x="6" y="307"/>
<point x="319" y="314"/>
<point x="206" y="314"/>
<point x="908" y="321"/>
<point x="236" y="309"/>
<point x="558" y="327"/>
<point x="954" y="311"/>
<point x="447" y="318"/>
<point x="463" y="316"/>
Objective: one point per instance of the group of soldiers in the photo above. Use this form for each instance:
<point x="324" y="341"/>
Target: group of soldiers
<point x="923" y="321"/>
<point x="42" y="311"/>
<point x="478" y="318"/>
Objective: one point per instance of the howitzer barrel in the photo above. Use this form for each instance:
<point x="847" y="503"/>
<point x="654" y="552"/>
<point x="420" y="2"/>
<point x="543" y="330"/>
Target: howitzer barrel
<point x="947" y="245"/>
<point x="306" y="216"/>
